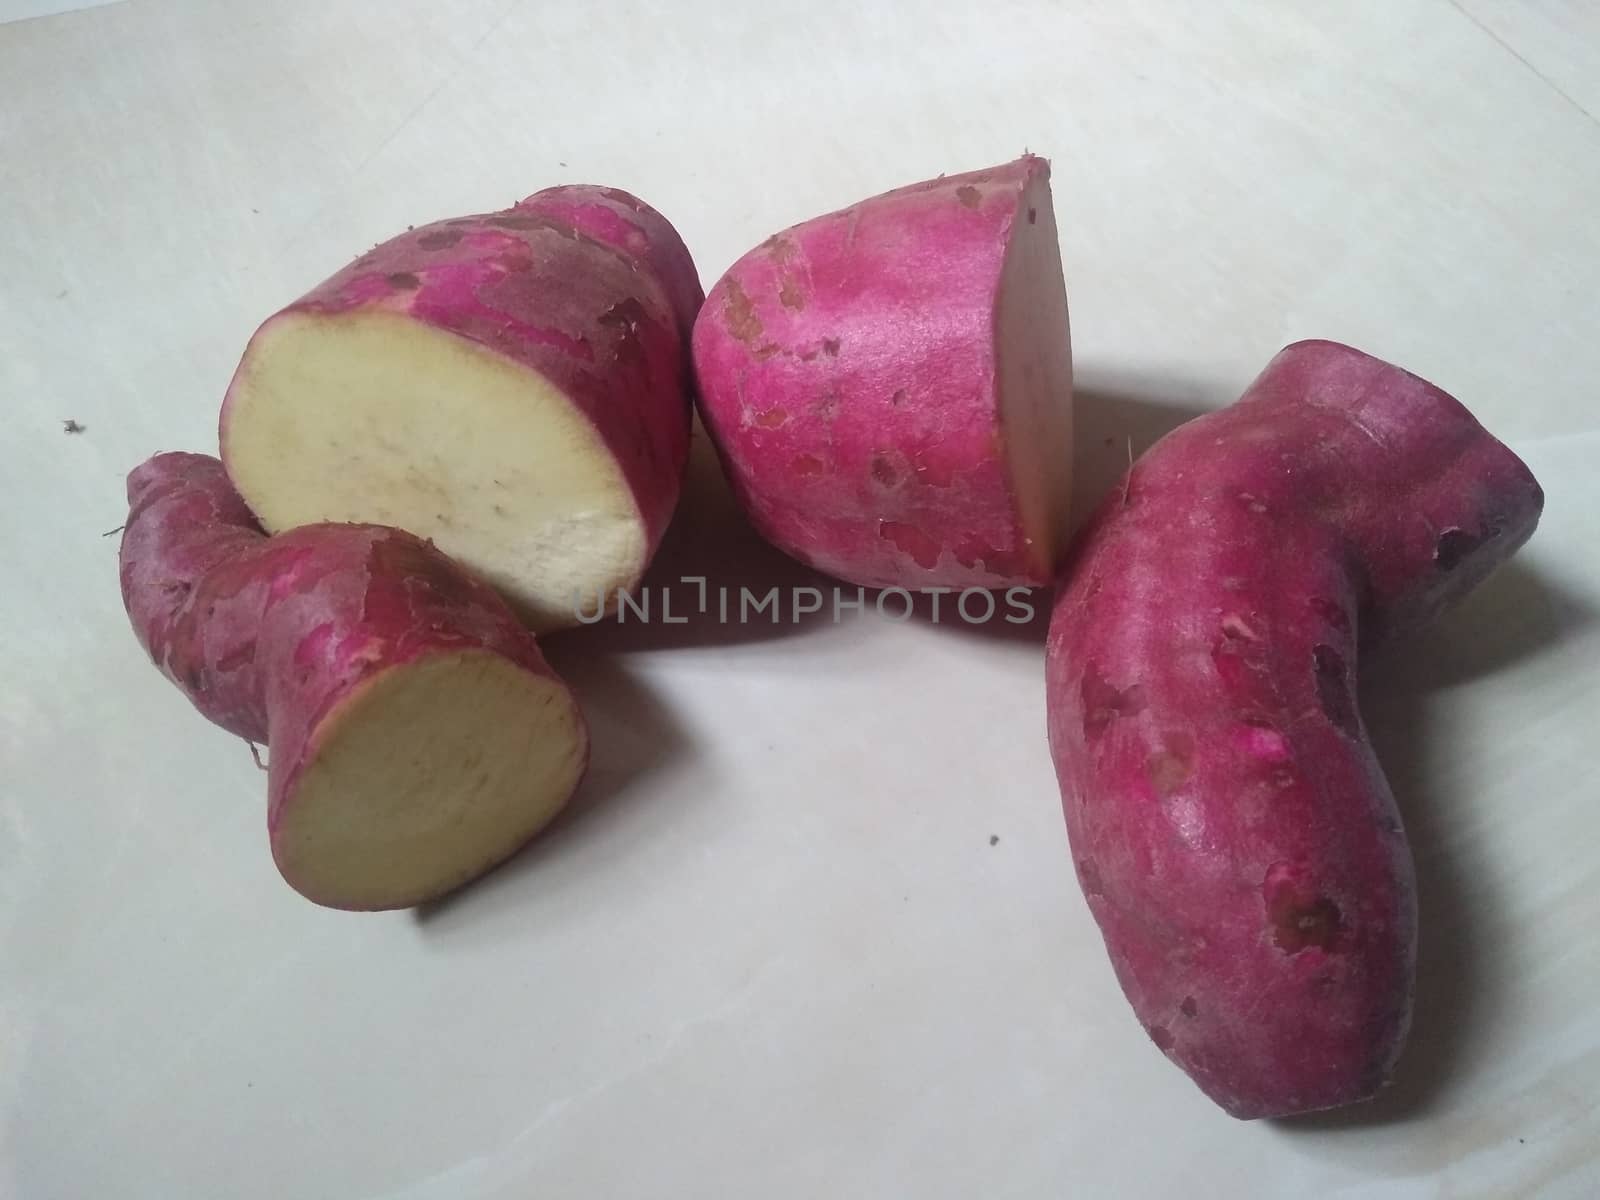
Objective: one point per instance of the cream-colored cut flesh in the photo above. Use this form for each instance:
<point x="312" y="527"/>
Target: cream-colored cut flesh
<point x="1034" y="350"/>
<point x="374" y="416"/>
<point x="426" y="776"/>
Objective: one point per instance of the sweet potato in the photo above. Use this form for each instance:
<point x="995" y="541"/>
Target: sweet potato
<point x="889" y="386"/>
<point x="1231" y="827"/>
<point x="415" y="735"/>
<point x="512" y="386"/>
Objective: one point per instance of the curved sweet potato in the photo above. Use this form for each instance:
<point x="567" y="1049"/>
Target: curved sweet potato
<point x="1231" y="827"/>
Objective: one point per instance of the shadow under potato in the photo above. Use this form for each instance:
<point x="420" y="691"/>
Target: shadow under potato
<point x="633" y="736"/>
<point x="1514" y="615"/>
<point x="1116" y="418"/>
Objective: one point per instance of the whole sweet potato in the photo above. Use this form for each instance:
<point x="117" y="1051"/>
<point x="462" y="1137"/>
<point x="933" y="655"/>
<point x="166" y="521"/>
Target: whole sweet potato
<point x="1231" y="827"/>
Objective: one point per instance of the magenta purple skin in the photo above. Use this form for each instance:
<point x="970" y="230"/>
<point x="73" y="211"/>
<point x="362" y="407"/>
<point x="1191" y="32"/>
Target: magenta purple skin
<point x="848" y="377"/>
<point x="589" y="287"/>
<point x="1231" y="827"/>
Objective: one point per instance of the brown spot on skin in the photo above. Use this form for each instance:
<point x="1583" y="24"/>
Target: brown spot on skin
<point x="773" y="418"/>
<point x="1089" y="878"/>
<point x="899" y="398"/>
<point x="1033" y="216"/>
<point x="1333" y="689"/>
<point x="1170" y="767"/>
<point x="779" y="247"/>
<point x="883" y="471"/>
<point x="830" y="347"/>
<point x="439" y="239"/>
<point x="516" y="221"/>
<point x="766" y="350"/>
<point x="1453" y="546"/>
<point x="404" y="280"/>
<point x="740" y="315"/>
<point x="1188" y="1008"/>
<point x="1161" y="1037"/>
<point x="790" y="295"/>
<point x="1297" y="927"/>
<point x="1299" y="916"/>
<point x="1104" y="702"/>
<point x="969" y="196"/>
<point x="806" y="465"/>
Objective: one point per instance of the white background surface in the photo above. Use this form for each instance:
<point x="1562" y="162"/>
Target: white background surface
<point x="774" y="953"/>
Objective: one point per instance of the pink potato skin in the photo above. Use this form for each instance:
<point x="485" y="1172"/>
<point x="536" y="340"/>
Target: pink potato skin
<point x="1231" y="827"/>
<point x="589" y="313"/>
<point x="628" y="224"/>
<point x="266" y="635"/>
<point x="828" y="334"/>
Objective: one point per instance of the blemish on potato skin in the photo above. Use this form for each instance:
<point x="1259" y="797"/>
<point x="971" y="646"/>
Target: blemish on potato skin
<point x="1172" y="766"/>
<point x="1104" y="702"/>
<point x="899" y="398"/>
<point x="1033" y="216"/>
<point x="790" y="295"/>
<point x="740" y="314"/>
<point x="403" y="280"/>
<point x="830" y="347"/>
<point x="766" y="350"/>
<point x="1301" y="926"/>
<point x="1161" y="1036"/>
<point x="515" y="221"/>
<point x="773" y="418"/>
<point x="779" y="247"/>
<point x="806" y="465"/>
<point x="883" y="471"/>
<point x="439" y="239"/>
<point x="1188" y="1008"/>
<point x="1299" y="916"/>
<point x="968" y="195"/>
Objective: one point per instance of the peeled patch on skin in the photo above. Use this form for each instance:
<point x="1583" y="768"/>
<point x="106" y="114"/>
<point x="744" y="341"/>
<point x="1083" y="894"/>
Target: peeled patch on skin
<point x="889" y="386"/>
<point x="416" y="736"/>
<point x="512" y="386"/>
<point x="1231" y="828"/>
